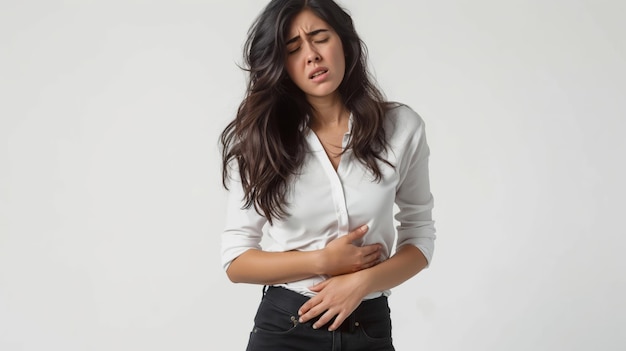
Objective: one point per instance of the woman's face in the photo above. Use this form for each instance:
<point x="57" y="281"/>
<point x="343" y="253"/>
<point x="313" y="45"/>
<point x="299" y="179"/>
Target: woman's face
<point x="315" y="60"/>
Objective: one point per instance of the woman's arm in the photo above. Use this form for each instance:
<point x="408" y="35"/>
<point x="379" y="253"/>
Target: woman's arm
<point x="402" y="266"/>
<point x="339" y="257"/>
<point x="246" y="262"/>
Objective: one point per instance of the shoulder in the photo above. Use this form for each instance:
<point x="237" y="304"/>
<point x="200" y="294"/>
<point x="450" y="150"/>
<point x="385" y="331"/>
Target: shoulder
<point x="401" y="121"/>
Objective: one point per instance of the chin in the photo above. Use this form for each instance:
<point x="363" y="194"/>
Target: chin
<point x="320" y="93"/>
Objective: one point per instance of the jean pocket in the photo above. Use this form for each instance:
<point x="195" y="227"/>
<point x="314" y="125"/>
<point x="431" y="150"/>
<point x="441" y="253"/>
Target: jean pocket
<point x="377" y="330"/>
<point x="273" y="319"/>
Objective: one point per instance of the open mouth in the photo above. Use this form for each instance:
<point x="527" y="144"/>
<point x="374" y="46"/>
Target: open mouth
<point x="318" y="73"/>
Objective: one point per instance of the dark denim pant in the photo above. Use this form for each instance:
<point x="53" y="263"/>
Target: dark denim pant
<point x="276" y="326"/>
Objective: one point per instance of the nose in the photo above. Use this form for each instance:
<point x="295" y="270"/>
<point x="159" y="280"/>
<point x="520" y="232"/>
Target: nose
<point x="312" y="55"/>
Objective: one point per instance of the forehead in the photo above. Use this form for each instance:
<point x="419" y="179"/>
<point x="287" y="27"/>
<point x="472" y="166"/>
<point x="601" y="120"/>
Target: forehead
<point x="305" y="22"/>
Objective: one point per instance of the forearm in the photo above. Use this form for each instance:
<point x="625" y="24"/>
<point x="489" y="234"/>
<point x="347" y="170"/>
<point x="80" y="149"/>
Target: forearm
<point x="407" y="262"/>
<point x="262" y="267"/>
<point x="340" y="256"/>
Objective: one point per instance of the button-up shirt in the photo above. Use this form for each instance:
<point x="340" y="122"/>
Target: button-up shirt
<point x="324" y="203"/>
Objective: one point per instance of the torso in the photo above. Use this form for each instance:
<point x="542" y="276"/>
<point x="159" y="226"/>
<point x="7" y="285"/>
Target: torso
<point x="333" y="194"/>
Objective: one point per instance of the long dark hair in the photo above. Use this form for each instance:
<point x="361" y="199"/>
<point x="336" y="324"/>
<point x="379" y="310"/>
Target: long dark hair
<point x="266" y="137"/>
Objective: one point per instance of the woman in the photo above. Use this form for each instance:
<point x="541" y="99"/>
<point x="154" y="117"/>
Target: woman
<point x="315" y="159"/>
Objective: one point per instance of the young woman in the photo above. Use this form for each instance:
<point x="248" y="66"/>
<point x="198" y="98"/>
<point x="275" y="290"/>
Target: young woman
<point x="316" y="159"/>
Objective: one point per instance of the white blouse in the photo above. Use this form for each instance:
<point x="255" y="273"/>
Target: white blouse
<point x="324" y="204"/>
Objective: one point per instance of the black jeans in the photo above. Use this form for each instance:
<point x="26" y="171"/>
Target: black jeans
<point x="276" y="326"/>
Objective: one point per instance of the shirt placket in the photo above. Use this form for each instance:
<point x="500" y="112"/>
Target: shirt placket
<point x="334" y="177"/>
<point x="340" y="202"/>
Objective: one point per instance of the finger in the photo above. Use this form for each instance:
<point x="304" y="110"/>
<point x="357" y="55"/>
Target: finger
<point x="337" y="323"/>
<point x="312" y="313"/>
<point x="319" y="286"/>
<point x="370" y="264"/>
<point x="324" y="319"/>
<point x="357" y="233"/>
<point x="307" y="306"/>
<point x="374" y="255"/>
<point x="370" y="249"/>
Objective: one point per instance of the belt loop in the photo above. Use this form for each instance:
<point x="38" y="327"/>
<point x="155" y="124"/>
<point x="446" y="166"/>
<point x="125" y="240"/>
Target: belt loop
<point x="265" y="288"/>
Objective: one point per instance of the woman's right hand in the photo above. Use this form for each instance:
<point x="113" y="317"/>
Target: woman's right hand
<point x="341" y="256"/>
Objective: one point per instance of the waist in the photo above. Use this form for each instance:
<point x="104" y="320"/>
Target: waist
<point x="291" y="301"/>
<point x="301" y="287"/>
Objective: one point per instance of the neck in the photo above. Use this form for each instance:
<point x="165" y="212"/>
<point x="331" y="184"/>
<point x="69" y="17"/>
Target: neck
<point x="328" y="111"/>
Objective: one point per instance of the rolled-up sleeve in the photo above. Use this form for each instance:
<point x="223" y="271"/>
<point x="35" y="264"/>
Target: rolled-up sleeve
<point x="413" y="196"/>
<point x="244" y="227"/>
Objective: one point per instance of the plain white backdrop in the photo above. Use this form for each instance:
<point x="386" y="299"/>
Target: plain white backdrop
<point x="111" y="205"/>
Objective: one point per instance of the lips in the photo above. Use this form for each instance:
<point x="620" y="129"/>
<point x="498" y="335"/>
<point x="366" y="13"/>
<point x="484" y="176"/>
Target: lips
<point x="318" y="72"/>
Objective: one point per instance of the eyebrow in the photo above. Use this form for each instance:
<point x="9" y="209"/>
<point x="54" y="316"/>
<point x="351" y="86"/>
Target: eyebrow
<point x="310" y="34"/>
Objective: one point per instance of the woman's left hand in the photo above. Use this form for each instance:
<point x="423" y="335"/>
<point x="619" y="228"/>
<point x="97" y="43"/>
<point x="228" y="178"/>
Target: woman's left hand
<point x="336" y="297"/>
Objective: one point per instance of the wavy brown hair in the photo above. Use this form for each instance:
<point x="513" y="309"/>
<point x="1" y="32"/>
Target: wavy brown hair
<point x="266" y="138"/>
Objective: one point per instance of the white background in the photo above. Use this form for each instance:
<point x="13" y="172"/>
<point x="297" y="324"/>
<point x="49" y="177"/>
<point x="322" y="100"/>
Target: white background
<point x="110" y="198"/>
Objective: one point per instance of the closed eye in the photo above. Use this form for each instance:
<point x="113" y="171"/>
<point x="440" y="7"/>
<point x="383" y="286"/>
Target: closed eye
<point x="321" y="41"/>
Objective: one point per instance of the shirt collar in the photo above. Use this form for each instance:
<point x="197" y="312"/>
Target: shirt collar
<point x="305" y="126"/>
<point x="314" y="143"/>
